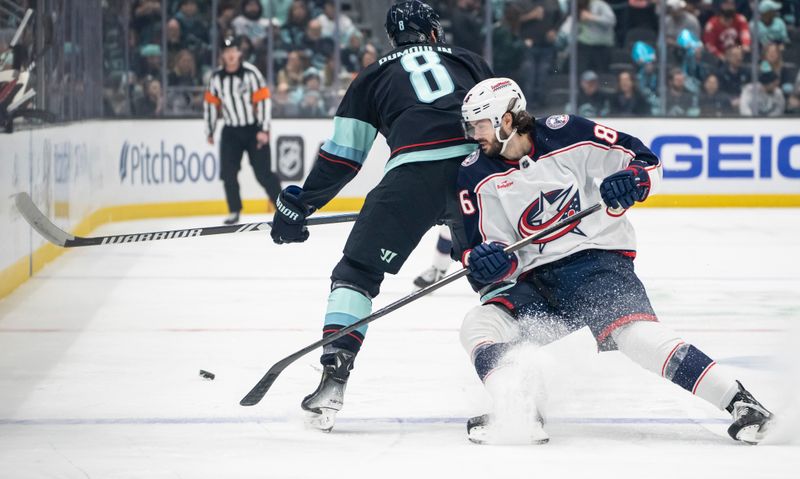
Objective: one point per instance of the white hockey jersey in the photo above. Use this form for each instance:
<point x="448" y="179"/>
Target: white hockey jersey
<point x="504" y="201"/>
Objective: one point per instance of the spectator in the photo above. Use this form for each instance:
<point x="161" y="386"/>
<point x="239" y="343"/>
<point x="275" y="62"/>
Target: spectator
<point x="636" y="14"/>
<point x="771" y="27"/>
<point x="592" y="102"/>
<point x="732" y="75"/>
<point x="184" y="72"/>
<point x="312" y="105"/>
<point x="252" y="25"/>
<point x="644" y="57"/>
<point x="508" y="46"/>
<point x="225" y="15"/>
<point x="596" y="23"/>
<point x="628" y="100"/>
<point x="538" y="29"/>
<point x="294" y="30"/>
<point x="467" y="25"/>
<point x="150" y="60"/>
<point x="292" y="74"/>
<point x="725" y="30"/>
<point x="680" y="101"/>
<point x="713" y="102"/>
<point x="763" y="98"/>
<point x="678" y="20"/>
<point x="174" y="41"/>
<point x="151" y="104"/>
<point x="318" y="48"/>
<point x="351" y="52"/>
<point x="328" y="20"/>
<point x="277" y="9"/>
<point x="282" y="107"/>
<point x="793" y="106"/>
<point x="369" y="56"/>
<point x="146" y="21"/>
<point x="772" y="60"/>
<point x="689" y="49"/>
<point x="194" y="28"/>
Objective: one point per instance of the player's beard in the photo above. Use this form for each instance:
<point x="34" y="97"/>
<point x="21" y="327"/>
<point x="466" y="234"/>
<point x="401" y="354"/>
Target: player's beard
<point x="491" y="148"/>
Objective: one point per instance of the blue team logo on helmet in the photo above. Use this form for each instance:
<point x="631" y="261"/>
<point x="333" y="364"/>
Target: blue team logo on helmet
<point x="549" y="208"/>
<point x="413" y="22"/>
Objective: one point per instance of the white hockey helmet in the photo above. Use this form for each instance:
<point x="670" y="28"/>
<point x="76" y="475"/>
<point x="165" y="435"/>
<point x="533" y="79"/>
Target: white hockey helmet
<point x="490" y="100"/>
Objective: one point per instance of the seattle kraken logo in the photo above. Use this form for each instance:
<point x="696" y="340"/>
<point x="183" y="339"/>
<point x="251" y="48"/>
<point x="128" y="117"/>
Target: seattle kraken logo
<point x="549" y="208"/>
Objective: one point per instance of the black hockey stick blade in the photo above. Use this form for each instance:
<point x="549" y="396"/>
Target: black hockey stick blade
<point x="260" y="389"/>
<point x="57" y="236"/>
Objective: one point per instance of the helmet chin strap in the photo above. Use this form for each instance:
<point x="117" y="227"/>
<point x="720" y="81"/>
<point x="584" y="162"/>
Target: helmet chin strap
<point x="503" y="142"/>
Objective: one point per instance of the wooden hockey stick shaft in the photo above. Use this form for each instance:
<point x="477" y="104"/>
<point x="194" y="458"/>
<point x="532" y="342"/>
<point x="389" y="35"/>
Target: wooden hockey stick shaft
<point x="260" y="389"/>
<point x="57" y="236"/>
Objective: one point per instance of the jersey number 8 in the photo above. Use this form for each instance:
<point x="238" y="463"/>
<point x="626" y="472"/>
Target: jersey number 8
<point x="429" y="77"/>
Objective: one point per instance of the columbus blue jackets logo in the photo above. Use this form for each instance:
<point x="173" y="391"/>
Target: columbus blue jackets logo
<point x="549" y="208"/>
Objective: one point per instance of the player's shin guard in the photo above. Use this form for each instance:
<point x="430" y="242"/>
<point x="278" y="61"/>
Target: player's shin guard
<point x="347" y="304"/>
<point x="660" y="350"/>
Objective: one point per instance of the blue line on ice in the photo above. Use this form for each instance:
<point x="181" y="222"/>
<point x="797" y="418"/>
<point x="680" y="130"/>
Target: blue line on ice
<point x="343" y="420"/>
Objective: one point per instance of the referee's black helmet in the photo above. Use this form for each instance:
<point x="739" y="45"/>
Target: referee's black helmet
<point x="231" y="42"/>
<point x="413" y="22"/>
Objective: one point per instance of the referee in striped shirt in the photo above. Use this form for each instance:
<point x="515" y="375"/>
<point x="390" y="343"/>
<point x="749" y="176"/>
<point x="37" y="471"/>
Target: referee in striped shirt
<point x="239" y="92"/>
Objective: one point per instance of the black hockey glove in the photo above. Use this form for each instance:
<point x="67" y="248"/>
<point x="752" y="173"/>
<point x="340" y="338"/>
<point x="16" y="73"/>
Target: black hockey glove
<point x="488" y="263"/>
<point x="289" y="222"/>
<point x="624" y="188"/>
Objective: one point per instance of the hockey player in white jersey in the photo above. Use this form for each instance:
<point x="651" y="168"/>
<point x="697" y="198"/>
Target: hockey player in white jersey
<point x="527" y="175"/>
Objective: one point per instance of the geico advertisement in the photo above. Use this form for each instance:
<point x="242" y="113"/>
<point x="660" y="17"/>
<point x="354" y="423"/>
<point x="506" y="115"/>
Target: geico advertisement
<point x="723" y="156"/>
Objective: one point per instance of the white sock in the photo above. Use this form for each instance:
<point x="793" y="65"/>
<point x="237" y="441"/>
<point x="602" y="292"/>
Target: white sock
<point x="657" y="348"/>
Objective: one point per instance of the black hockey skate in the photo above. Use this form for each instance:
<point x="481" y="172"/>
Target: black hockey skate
<point x="479" y="431"/>
<point x="750" y="418"/>
<point x="428" y="277"/>
<point x="323" y="404"/>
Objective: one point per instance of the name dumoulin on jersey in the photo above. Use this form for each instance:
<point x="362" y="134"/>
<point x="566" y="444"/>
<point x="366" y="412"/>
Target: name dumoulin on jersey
<point x="413" y="97"/>
<point x="504" y="201"/>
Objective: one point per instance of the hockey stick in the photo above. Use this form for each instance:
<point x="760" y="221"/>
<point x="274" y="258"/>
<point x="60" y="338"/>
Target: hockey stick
<point x="57" y="236"/>
<point x="260" y="389"/>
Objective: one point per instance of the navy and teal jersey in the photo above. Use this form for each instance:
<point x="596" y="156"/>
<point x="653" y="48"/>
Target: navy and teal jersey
<point x="413" y="97"/>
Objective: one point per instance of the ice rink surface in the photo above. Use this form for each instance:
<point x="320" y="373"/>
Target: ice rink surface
<point x="100" y="352"/>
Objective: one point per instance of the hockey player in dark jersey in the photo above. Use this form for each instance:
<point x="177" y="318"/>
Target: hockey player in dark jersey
<point x="528" y="175"/>
<point x="412" y="96"/>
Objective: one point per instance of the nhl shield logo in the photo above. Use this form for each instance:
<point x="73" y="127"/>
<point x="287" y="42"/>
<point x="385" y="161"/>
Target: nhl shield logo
<point x="549" y="208"/>
<point x="556" y="121"/>
<point x="290" y="158"/>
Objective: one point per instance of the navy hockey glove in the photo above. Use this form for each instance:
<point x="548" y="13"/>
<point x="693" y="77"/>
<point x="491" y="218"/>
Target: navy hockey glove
<point x="488" y="263"/>
<point x="289" y="222"/>
<point x="624" y="188"/>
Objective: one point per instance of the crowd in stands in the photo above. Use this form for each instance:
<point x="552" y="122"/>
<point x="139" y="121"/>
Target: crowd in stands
<point x="302" y="45"/>
<point x="709" y="52"/>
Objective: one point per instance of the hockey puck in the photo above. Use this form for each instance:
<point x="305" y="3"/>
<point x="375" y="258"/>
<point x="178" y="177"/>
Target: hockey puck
<point x="206" y="375"/>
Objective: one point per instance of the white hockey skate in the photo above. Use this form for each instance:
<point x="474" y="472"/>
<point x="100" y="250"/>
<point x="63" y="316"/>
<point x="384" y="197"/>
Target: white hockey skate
<point x="482" y="430"/>
<point x="322" y="405"/>
<point x="428" y="277"/>
<point x="751" y="420"/>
